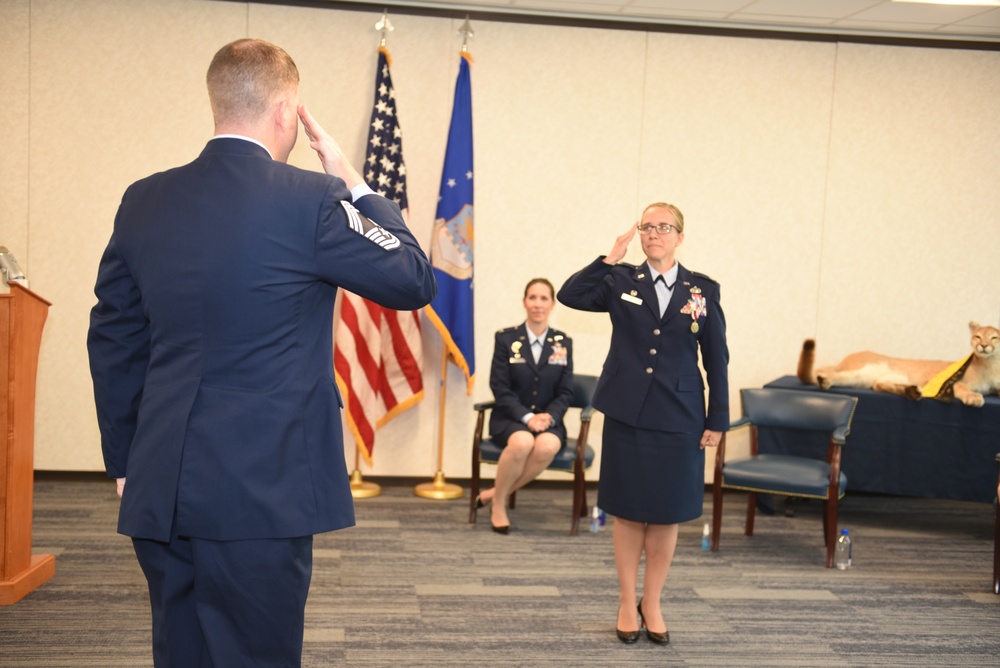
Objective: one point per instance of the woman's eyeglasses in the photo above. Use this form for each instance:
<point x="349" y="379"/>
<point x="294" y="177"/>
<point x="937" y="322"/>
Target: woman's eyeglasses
<point x="662" y="228"/>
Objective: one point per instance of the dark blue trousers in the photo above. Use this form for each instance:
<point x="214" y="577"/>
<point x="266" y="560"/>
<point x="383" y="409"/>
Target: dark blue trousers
<point x="218" y="604"/>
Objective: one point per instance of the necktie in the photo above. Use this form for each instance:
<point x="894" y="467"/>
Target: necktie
<point x="662" y="293"/>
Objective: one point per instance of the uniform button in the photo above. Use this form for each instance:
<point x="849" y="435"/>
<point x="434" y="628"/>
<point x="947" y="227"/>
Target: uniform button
<point x="532" y="407"/>
<point x="649" y="369"/>
<point x="656" y="332"/>
<point x="652" y="351"/>
<point x="534" y="393"/>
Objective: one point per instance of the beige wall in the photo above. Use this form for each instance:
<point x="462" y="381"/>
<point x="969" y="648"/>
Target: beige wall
<point x="846" y="192"/>
<point x="14" y="123"/>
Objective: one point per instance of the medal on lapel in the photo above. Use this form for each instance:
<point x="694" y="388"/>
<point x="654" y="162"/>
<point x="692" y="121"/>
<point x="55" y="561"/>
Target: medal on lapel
<point x="696" y="307"/>
<point x="559" y="356"/>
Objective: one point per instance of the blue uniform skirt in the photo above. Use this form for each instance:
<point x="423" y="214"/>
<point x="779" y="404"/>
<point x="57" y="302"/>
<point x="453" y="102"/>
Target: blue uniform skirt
<point x="650" y="476"/>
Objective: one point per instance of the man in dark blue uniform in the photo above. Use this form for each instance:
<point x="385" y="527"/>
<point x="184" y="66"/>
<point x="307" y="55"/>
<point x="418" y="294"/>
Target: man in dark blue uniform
<point x="211" y="354"/>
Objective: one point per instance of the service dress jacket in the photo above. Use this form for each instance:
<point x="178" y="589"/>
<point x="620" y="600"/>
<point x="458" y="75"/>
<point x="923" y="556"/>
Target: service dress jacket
<point x="521" y="387"/>
<point x="211" y="342"/>
<point x="651" y="378"/>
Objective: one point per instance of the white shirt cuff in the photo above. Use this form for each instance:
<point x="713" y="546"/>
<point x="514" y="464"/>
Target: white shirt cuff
<point x="360" y="190"/>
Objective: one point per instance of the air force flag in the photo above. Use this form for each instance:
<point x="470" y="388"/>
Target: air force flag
<point x="452" y="239"/>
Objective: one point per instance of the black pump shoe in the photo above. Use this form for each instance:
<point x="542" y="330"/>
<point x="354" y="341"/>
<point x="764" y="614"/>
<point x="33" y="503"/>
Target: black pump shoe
<point x="660" y="638"/>
<point x="627" y="637"/>
<point x="505" y="529"/>
<point x="479" y="502"/>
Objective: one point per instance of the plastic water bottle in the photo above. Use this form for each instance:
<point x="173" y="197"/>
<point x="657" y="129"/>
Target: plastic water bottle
<point x="842" y="552"/>
<point x="598" y="518"/>
<point x="706" y="537"/>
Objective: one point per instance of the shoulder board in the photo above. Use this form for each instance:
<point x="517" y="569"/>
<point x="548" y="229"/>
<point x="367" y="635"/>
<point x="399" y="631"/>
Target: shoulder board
<point x="705" y="276"/>
<point x="506" y="329"/>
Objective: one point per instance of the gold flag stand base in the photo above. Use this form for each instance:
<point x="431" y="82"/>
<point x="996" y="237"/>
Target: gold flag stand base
<point x="439" y="489"/>
<point x="361" y="489"/>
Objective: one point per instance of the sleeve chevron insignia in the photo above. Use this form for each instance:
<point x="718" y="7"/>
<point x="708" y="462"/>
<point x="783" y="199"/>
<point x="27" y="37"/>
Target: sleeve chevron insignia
<point x="369" y="229"/>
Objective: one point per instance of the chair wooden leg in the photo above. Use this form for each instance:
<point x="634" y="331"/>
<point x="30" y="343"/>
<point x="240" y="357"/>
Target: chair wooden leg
<point x="574" y="526"/>
<point x="996" y="551"/>
<point x="996" y="540"/>
<point x="579" y="500"/>
<point x="826" y="525"/>
<point x="751" y="513"/>
<point x="830" y="529"/>
<point x="716" y="516"/>
<point x="473" y="493"/>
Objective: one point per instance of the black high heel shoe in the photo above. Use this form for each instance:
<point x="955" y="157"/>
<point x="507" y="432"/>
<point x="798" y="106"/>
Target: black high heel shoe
<point x="661" y="638"/>
<point x="627" y="637"/>
<point x="479" y="502"/>
<point x="504" y="529"/>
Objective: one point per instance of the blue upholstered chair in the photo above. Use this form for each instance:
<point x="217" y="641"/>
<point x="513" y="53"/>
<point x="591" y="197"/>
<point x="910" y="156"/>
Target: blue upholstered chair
<point x="575" y="457"/>
<point x="787" y="475"/>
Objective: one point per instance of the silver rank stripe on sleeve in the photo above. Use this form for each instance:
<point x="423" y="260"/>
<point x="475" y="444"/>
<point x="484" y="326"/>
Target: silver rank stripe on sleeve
<point x="369" y="229"/>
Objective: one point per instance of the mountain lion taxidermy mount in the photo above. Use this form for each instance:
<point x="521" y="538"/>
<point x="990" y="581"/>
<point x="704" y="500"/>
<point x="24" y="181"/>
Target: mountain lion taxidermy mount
<point x="966" y="380"/>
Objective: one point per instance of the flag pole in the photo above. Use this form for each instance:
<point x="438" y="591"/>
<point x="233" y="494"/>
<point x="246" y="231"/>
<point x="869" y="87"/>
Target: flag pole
<point x="359" y="488"/>
<point x="439" y="489"/>
<point x="453" y="228"/>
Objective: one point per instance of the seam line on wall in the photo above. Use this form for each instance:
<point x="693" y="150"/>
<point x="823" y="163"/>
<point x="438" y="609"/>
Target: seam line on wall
<point x="826" y="191"/>
<point x="642" y="137"/>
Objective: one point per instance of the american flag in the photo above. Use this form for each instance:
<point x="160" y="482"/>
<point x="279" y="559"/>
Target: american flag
<point x="377" y="352"/>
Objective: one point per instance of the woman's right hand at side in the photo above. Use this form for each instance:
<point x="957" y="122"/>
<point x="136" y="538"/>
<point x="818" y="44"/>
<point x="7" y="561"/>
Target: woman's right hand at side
<point x="621" y="246"/>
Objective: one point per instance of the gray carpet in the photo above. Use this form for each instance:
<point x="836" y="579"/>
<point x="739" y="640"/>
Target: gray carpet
<point x="415" y="585"/>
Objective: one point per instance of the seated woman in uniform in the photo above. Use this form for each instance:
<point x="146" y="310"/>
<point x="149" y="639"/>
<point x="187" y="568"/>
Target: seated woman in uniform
<point x="532" y="382"/>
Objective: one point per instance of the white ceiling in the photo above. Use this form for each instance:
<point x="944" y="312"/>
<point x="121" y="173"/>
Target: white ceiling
<point x="875" y="18"/>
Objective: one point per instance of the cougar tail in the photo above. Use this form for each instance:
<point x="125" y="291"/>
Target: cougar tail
<point x="807" y="359"/>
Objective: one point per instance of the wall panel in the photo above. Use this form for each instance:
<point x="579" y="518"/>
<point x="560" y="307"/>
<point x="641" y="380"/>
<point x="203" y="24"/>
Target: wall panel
<point x="839" y="191"/>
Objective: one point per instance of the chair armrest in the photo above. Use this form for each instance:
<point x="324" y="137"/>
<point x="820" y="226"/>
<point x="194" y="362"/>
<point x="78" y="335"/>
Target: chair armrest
<point x="840" y="434"/>
<point x="587" y="413"/>
<point x="742" y="422"/>
<point x="483" y="405"/>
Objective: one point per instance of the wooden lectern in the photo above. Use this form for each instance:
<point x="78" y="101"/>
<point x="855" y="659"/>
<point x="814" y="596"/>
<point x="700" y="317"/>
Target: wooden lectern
<point x="22" y="316"/>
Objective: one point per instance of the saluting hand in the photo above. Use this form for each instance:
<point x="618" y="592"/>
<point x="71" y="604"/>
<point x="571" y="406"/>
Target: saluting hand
<point x="334" y="161"/>
<point x="621" y="246"/>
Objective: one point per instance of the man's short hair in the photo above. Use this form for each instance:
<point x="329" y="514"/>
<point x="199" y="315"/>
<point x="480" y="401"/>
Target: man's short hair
<point x="246" y="76"/>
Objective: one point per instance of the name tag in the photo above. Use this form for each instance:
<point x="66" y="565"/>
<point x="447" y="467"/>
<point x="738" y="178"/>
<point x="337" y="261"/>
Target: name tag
<point x="631" y="298"/>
